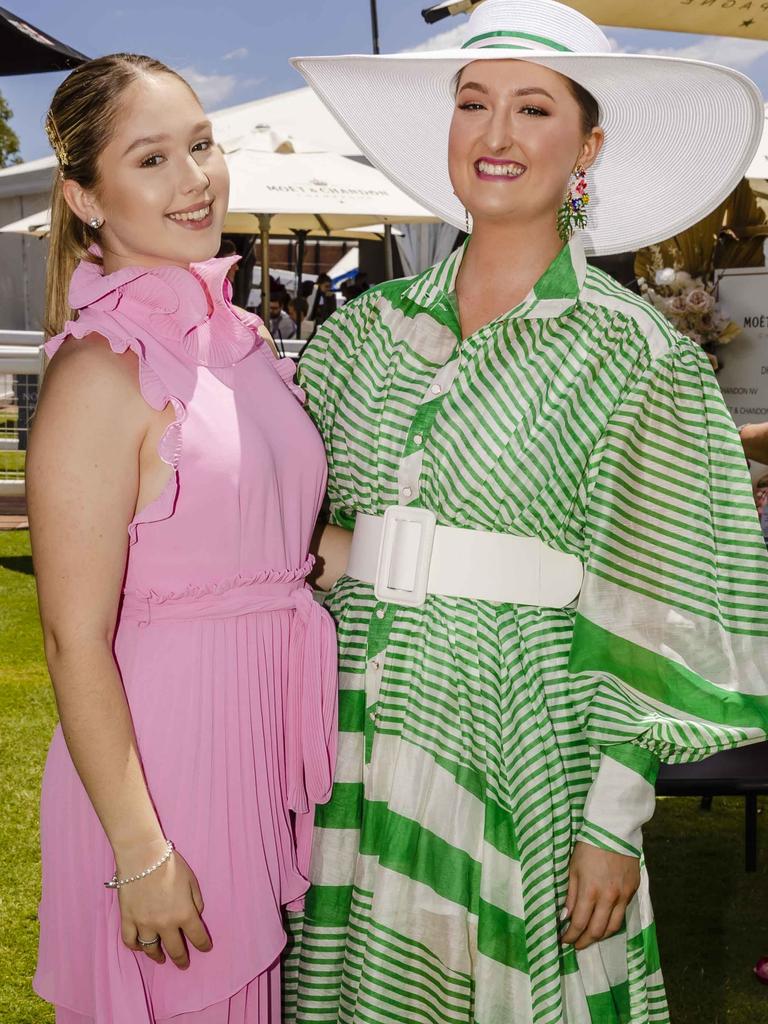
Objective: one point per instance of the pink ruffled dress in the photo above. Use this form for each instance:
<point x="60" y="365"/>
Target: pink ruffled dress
<point x="228" y="664"/>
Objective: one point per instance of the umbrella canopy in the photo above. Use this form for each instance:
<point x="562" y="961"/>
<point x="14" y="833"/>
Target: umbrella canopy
<point x="285" y="192"/>
<point x="747" y="19"/>
<point x="314" y="192"/>
<point x="25" y="49"/>
<point x="347" y="267"/>
<point x="38" y="225"/>
<point x="289" y="122"/>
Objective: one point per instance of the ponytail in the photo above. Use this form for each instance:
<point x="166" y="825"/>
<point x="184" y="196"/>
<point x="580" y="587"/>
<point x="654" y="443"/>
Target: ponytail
<point x="68" y="243"/>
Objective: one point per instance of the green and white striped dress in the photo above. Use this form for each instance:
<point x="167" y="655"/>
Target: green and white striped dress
<point x="480" y="740"/>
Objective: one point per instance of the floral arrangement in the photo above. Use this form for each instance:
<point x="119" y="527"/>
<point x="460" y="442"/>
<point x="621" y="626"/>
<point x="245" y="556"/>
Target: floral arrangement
<point x="689" y="303"/>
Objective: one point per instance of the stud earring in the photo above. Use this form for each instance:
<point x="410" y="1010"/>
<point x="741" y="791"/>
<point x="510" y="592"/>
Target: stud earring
<point x="96" y="222"/>
<point x="573" y="214"/>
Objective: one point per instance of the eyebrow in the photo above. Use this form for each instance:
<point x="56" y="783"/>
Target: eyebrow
<point x="530" y="91"/>
<point x="153" y="140"/>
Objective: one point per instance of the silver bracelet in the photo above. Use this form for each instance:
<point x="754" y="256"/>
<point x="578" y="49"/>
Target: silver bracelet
<point x="118" y="883"/>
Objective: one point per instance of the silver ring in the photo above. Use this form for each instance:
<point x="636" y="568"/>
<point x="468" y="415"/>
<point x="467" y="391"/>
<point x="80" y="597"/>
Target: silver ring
<point x="148" y="942"/>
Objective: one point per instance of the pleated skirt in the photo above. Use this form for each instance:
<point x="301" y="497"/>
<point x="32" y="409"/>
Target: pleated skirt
<point x="208" y="699"/>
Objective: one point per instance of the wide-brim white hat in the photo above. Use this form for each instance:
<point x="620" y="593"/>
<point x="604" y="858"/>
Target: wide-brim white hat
<point x="679" y="134"/>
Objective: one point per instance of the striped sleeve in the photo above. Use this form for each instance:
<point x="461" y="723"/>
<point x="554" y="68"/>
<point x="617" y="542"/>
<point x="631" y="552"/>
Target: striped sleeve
<point x="669" y="660"/>
<point x="329" y="357"/>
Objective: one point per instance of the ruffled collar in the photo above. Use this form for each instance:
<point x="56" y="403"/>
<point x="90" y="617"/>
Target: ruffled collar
<point x="191" y="306"/>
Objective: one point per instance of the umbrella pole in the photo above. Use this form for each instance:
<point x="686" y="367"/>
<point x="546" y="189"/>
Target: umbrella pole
<point x="300" y="239"/>
<point x="374" y="26"/>
<point x="264" y="222"/>
<point x="389" y="268"/>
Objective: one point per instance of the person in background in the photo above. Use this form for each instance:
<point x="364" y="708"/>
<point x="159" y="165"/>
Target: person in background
<point x="360" y="284"/>
<point x="281" y="326"/>
<point x="297" y="310"/>
<point x="325" y="300"/>
<point x="754" y="441"/>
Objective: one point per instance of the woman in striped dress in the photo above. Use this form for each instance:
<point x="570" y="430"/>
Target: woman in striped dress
<point x="480" y="861"/>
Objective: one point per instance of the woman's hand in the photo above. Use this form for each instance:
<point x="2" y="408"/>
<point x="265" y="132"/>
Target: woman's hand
<point x="167" y="904"/>
<point x="600" y="886"/>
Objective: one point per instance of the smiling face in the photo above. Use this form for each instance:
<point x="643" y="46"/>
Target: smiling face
<point x="163" y="184"/>
<point x="516" y="135"/>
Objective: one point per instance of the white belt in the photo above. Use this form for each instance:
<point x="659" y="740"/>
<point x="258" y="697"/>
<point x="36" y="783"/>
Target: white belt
<point x="406" y="555"/>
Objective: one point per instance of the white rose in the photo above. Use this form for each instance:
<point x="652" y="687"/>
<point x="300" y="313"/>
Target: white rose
<point x="665" y="276"/>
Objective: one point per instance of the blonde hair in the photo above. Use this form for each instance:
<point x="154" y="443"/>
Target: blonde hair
<point x="79" y="125"/>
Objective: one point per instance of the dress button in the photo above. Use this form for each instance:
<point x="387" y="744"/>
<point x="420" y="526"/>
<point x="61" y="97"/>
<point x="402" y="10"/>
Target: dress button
<point x="435" y="389"/>
<point x="418" y="439"/>
<point x="407" y="492"/>
<point x="372" y="716"/>
<point x="380" y="613"/>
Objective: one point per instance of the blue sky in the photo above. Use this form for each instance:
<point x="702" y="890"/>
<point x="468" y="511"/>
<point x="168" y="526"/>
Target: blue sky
<point x="244" y="54"/>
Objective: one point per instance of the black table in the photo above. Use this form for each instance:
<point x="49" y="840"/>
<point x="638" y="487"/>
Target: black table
<point x="740" y="772"/>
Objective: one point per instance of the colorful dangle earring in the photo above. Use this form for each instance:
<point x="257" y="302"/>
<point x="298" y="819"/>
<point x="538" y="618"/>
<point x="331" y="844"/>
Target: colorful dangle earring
<point x="573" y="213"/>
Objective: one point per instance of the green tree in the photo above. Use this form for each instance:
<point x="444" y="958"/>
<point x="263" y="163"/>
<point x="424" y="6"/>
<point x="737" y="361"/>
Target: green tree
<point x="9" y="140"/>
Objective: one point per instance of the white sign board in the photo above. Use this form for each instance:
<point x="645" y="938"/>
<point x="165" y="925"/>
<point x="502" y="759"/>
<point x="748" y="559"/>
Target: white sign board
<point x="743" y="295"/>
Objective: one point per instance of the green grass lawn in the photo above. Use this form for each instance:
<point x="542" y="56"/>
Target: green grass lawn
<point x="12" y="463"/>
<point x="27" y="717"/>
<point x="712" y="917"/>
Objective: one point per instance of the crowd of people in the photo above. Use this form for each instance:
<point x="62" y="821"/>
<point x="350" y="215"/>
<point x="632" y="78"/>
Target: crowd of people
<point x="315" y="303"/>
<point x="298" y="315"/>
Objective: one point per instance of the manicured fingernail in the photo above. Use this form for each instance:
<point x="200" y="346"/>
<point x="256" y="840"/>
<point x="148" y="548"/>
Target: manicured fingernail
<point x="565" y="914"/>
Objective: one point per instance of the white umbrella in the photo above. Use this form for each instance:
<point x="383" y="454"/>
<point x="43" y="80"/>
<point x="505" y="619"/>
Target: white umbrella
<point x="280" y="193"/>
<point x="314" y="192"/>
<point x="347" y="267"/>
<point x="298" y="119"/>
<point x="38" y="225"/>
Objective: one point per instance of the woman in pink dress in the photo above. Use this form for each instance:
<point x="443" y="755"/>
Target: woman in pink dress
<point x="173" y="485"/>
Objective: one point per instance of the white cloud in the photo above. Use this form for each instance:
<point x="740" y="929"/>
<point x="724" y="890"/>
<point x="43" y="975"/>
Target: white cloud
<point x="733" y="52"/>
<point x="450" y="40"/>
<point x="212" y="89"/>
<point x="238" y="54"/>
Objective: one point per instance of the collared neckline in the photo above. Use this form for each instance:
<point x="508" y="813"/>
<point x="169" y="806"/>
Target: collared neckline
<point x="193" y="305"/>
<point x="555" y="292"/>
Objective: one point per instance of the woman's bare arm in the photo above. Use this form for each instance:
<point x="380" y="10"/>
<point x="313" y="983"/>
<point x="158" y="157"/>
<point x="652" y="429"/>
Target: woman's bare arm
<point x="754" y="440"/>
<point x="82" y="487"/>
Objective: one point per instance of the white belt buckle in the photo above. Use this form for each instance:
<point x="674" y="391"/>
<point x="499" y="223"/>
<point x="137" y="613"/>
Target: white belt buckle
<point x="405" y="553"/>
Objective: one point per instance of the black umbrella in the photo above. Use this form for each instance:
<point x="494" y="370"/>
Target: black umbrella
<point x="25" y="49"/>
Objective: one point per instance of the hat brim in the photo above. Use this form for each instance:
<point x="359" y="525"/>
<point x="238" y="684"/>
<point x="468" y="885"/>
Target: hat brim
<point x="679" y="134"/>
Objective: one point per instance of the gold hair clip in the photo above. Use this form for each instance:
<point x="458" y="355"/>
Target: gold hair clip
<point x="55" y="140"/>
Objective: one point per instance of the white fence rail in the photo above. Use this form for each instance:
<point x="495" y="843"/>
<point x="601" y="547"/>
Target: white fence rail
<point x="21" y="363"/>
